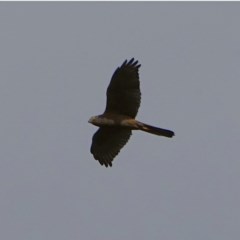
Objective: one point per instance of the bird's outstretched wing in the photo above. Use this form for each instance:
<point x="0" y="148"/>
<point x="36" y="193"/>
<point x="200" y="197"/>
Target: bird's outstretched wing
<point x="107" y="143"/>
<point x="123" y="93"/>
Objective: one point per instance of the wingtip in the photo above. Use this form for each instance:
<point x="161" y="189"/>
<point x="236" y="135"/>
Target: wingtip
<point x="106" y="164"/>
<point x="131" y="62"/>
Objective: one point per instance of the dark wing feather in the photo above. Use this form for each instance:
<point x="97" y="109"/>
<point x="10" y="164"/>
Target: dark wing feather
<point x="107" y="143"/>
<point x="123" y="93"/>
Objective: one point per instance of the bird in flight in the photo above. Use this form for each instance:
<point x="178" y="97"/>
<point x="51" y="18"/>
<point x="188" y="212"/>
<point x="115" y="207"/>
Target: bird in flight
<point x="118" y="120"/>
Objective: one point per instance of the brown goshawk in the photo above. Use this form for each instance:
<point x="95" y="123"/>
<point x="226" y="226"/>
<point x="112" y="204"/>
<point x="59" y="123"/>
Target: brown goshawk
<point x="118" y="120"/>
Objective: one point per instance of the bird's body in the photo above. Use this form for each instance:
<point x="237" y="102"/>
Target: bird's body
<point x="123" y="121"/>
<point x="118" y="120"/>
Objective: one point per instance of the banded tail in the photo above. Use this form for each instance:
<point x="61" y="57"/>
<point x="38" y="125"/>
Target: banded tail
<point x="155" y="130"/>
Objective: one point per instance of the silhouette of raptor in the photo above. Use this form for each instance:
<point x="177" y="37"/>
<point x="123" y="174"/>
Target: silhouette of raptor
<point x="118" y="120"/>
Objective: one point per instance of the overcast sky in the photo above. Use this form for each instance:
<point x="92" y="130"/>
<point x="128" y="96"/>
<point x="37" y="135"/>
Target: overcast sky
<point x="56" y="61"/>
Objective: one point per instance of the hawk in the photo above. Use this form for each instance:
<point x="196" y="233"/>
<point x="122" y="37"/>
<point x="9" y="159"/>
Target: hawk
<point x="118" y="120"/>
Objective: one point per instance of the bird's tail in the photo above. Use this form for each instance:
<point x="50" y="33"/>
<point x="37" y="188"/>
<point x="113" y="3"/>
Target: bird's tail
<point x="155" y="130"/>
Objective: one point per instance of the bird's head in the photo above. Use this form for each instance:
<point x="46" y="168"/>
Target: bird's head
<point x="93" y="120"/>
<point x="96" y="120"/>
<point x="101" y="120"/>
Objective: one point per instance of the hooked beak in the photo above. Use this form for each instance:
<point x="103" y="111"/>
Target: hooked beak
<point x="90" y="120"/>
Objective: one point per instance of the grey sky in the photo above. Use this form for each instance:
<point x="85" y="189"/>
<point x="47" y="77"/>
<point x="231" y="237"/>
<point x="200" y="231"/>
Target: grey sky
<point x="56" y="61"/>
